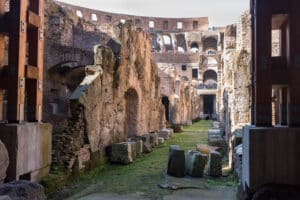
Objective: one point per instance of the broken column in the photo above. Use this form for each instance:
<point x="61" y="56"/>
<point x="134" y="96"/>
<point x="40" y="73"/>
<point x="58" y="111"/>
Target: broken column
<point x="215" y="164"/>
<point x="195" y="163"/>
<point x="176" y="161"/>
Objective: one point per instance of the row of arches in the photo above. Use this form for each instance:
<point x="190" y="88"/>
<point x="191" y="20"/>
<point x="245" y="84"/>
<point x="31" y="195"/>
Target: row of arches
<point x="179" y="44"/>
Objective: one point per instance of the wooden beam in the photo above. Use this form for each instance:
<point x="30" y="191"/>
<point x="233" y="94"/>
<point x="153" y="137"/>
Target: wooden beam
<point x="34" y="20"/>
<point x="32" y="72"/>
<point x="17" y="61"/>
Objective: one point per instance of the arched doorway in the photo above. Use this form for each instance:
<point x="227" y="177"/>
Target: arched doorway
<point x="210" y="43"/>
<point x="194" y="47"/>
<point x="210" y="79"/>
<point x="132" y="103"/>
<point x="210" y="82"/>
<point x="166" y="103"/>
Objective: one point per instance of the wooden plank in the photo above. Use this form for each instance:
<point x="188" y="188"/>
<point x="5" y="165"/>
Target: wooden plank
<point x="36" y="55"/>
<point x="34" y="20"/>
<point x="32" y="72"/>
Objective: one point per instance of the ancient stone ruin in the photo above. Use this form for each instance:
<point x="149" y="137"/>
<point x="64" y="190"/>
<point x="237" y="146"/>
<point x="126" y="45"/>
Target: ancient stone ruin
<point x="78" y="85"/>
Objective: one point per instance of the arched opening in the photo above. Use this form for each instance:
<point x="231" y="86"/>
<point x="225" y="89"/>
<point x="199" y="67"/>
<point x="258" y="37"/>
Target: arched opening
<point x="166" y="103"/>
<point x="181" y="43"/>
<point x="210" y="79"/>
<point x="209" y="104"/>
<point x="184" y="78"/>
<point x="210" y="43"/>
<point x="168" y="42"/>
<point x="155" y="45"/>
<point x="132" y="103"/>
<point x="194" y="47"/>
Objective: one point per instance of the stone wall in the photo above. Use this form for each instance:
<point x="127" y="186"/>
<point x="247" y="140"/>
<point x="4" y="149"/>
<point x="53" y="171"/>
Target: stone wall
<point x="118" y="100"/>
<point x="235" y="90"/>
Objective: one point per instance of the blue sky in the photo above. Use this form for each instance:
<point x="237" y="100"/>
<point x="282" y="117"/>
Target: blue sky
<point x="220" y="12"/>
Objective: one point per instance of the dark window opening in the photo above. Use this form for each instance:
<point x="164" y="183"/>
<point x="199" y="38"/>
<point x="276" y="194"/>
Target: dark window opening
<point x="166" y="25"/>
<point x="195" y="73"/>
<point x="195" y="24"/>
<point x="183" y="67"/>
<point x="108" y="18"/>
<point x="280" y="35"/>
<point x="137" y="21"/>
<point x="166" y="103"/>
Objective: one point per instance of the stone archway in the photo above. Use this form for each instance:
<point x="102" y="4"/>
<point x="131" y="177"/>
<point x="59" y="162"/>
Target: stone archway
<point x="132" y="104"/>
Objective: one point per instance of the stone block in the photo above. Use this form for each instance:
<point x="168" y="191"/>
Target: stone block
<point x="160" y="140"/>
<point x="4" y="161"/>
<point x="171" y="132"/>
<point x="176" y="161"/>
<point x="205" y="149"/>
<point x="216" y="125"/>
<point x="29" y="149"/>
<point x="164" y="133"/>
<point x="139" y="146"/>
<point x="23" y="190"/>
<point x="215" y="164"/>
<point x="195" y="163"/>
<point x="123" y="153"/>
<point x="219" y="142"/>
<point x="146" y="142"/>
<point x="153" y="139"/>
<point x="214" y="133"/>
<point x="5" y="197"/>
<point x="178" y="128"/>
<point x="237" y="161"/>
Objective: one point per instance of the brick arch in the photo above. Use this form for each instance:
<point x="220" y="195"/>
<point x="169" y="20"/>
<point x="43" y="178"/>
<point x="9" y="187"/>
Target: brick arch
<point x="210" y="43"/>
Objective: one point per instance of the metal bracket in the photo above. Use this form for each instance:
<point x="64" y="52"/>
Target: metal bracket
<point x="22" y="82"/>
<point x="23" y="27"/>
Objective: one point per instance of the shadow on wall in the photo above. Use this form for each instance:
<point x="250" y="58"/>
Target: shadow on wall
<point x="132" y="104"/>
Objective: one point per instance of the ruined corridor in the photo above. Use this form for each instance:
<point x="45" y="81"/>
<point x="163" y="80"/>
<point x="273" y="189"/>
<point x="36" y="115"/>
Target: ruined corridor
<point x="96" y="104"/>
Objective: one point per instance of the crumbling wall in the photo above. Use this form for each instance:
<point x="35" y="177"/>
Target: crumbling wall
<point x="102" y="98"/>
<point x="235" y="90"/>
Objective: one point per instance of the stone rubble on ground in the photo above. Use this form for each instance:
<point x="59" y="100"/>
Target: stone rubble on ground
<point x="237" y="161"/>
<point x="123" y="153"/>
<point x="195" y="163"/>
<point x="215" y="164"/>
<point x="176" y="161"/>
<point x="165" y="133"/>
<point x="153" y="139"/>
<point x="160" y="140"/>
<point x="22" y="190"/>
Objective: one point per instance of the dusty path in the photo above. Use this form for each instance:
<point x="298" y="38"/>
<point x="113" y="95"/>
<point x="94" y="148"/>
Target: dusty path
<point x="187" y="194"/>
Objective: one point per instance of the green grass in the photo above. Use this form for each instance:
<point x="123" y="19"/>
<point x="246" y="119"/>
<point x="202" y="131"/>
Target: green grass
<point x="143" y="175"/>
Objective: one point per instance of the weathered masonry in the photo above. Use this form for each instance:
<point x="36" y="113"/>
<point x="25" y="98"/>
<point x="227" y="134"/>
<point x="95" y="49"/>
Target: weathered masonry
<point x="271" y="144"/>
<point x="27" y="140"/>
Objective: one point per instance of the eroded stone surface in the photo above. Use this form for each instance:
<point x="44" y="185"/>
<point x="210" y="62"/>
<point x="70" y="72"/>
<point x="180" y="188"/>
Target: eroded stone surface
<point x="195" y="163"/>
<point x="123" y="153"/>
<point x="215" y="164"/>
<point x="23" y="190"/>
<point x="176" y="161"/>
